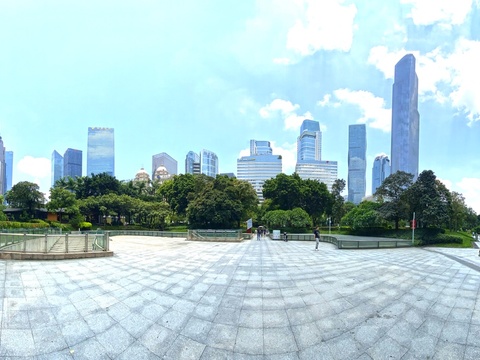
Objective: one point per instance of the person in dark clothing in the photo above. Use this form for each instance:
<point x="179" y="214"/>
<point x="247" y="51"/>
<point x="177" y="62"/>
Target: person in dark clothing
<point x="316" y="233"/>
<point x="285" y="236"/>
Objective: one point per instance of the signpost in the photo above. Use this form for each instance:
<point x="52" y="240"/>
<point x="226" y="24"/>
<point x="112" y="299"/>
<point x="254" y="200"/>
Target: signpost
<point x="414" y="224"/>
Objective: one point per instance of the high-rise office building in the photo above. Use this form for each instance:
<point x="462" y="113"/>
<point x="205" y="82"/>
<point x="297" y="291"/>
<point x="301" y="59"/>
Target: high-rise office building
<point x="380" y="171"/>
<point x="3" y="169"/>
<point x="309" y="143"/>
<point x="320" y="170"/>
<point x="261" y="165"/>
<point x="405" y="118"/>
<point x="192" y="163"/>
<point x="357" y="162"/>
<point x="57" y="167"/>
<point x="208" y="163"/>
<point x="309" y="156"/>
<point x="72" y="163"/>
<point x="163" y="159"/>
<point x="101" y="151"/>
<point x="9" y="169"/>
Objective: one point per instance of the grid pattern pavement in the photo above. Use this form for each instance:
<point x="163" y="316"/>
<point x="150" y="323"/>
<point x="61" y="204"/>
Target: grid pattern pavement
<point x="174" y="299"/>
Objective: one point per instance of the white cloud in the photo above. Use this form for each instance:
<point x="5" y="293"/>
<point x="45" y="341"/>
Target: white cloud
<point x="470" y="189"/>
<point x="372" y="108"/>
<point x="443" y="12"/>
<point x="35" y="167"/>
<point x="442" y="76"/>
<point x="289" y="156"/>
<point x="36" y="170"/>
<point x="287" y="111"/>
<point x="324" y="25"/>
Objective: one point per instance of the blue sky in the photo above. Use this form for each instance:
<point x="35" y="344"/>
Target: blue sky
<point x="175" y="76"/>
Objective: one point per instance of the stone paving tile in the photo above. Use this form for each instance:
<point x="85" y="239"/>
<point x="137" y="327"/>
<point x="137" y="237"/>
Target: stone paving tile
<point x="169" y="298"/>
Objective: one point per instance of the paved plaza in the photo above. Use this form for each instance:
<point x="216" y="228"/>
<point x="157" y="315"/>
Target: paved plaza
<point x="162" y="298"/>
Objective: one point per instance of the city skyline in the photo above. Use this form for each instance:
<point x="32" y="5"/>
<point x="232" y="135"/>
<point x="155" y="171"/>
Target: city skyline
<point x="231" y="72"/>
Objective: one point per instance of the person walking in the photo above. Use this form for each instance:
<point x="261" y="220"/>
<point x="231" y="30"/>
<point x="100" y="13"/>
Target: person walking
<point x="285" y="236"/>
<point x="316" y="233"/>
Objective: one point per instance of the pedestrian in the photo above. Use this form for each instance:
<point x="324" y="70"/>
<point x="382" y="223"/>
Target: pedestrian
<point x="316" y="233"/>
<point x="285" y="236"/>
<point x="258" y="234"/>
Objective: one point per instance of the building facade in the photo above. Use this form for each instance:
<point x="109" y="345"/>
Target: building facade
<point x="9" y="169"/>
<point x="165" y="160"/>
<point x="322" y="171"/>
<point x="3" y="169"/>
<point x="405" y="118"/>
<point x="380" y="171"/>
<point x="57" y="167"/>
<point x="208" y="163"/>
<point x="259" y="166"/>
<point x="101" y="151"/>
<point x="357" y="163"/>
<point x="309" y="156"/>
<point x="192" y="163"/>
<point x="309" y="143"/>
<point x="72" y="163"/>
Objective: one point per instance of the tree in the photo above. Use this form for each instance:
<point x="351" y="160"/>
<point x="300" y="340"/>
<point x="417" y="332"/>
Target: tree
<point x="2" y="207"/>
<point x="316" y="198"/>
<point x="284" y="191"/>
<point x="27" y="196"/>
<point x="337" y="210"/>
<point x="221" y="203"/>
<point x="365" y="215"/>
<point x="62" y="201"/>
<point x="391" y="194"/>
<point x="430" y="200"/>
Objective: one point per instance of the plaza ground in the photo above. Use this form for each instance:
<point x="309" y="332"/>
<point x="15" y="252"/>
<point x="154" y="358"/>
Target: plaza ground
<point x="163" y="298"/>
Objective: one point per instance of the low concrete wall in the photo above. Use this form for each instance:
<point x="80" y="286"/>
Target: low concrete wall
<point x="16" y="255"/>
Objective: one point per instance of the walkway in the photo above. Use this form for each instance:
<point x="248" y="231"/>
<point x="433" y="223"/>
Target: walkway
<point x="160" y="298"/>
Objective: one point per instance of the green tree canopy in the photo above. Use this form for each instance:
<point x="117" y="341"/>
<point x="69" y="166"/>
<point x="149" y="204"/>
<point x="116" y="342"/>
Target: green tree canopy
<point x="27" y="196"/>
<point x="392" y="195"/>
<point x="337" y="210"/>
<point x="222" y="203"/>
<point x="430" y="200"/>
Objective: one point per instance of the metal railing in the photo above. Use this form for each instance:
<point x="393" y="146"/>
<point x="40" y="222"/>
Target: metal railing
<point x="54" y="243"/>
<point x="350" y="242"/>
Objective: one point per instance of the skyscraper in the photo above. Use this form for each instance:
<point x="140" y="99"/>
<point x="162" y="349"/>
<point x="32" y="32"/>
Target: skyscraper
<point x="57" y="167"/>
<point x="163" y="159"/>
<point x="405" y="118"/>
<point x="357" y="162"/>
<point x="309" y="143"/>
<point x="9" y="169"/>
<point x="261" y="165"/>
<point x="72" y="163"/>
<point x="192" y="163"/>
<point x="3" y="169"/>
<point x="101" y="151"/>
<point x="309" y="155"/>
<point x="208" y="163"/>
<point x="380" y="171"/>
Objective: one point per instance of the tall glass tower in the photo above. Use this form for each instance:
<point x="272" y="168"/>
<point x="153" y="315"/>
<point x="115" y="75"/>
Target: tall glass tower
<point x="380" y="171"/>
<point x="192" y="163"/>
<point x="57" y="167"/>
<point x="101" y="151"/>
<point x="72" y="163"/>
<point x="405" y="118"/>
<point x="3" y="169"/>
<point x="357" y="162"/>
<point x="261" y="165"/>
<point x="163" y="159"/>
<point x="309" y="143"/>
<point x="9" y="169"/>
<point x="208" y="163"/>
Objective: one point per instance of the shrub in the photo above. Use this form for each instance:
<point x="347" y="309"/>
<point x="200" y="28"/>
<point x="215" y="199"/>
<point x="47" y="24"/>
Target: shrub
<point x="85" y="225"/>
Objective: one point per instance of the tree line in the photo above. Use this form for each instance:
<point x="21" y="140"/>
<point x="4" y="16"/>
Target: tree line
<point x="222" y="202"/>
